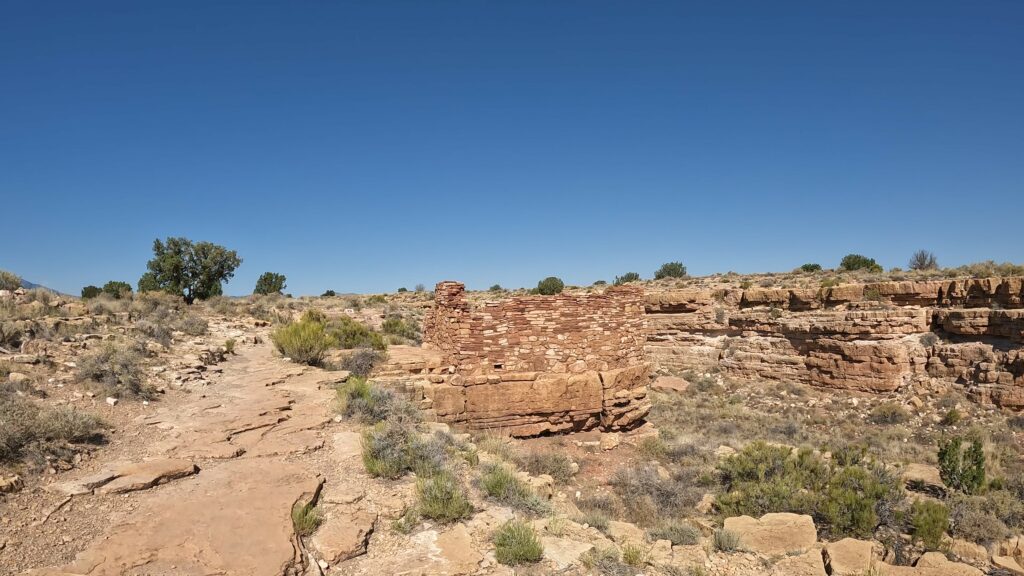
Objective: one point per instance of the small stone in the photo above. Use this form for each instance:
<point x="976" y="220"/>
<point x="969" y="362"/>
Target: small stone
<point x="112" y="401"/>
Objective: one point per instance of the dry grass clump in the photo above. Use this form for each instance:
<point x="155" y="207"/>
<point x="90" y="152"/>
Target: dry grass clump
<point x="30" y="430"/>
<point x="500" y="482"/>
<point x="358" y="398"/>
<point x="515" y="543"/>
<point x="361" y="361"/>
<point x="678" y="532"/>
<point x="306" y="341"/>
<point x="306" y="518"/>
<point x="554" y="464"/>
<point x="442" y="498"/>
<point x="118" y="367"/>
<point x="647" y="495"/>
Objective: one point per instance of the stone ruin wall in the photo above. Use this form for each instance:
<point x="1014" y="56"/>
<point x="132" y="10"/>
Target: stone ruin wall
<point x="538" y="364"/>
<point x="870" y="337"/>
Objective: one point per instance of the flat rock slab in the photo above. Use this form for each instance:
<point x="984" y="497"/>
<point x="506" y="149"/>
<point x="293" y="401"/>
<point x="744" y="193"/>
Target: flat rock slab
<point x="931" y="564"/>
<point x="670" y="384"/>
<point x="807" y="564"/>
<point x="84" y="485"/>
<point x="564" y="552"/>
<point x="348" y="445"/>
<point x="431" y="553"/>
<point x="924" y="478"/>
<point x="343" y="536"/>
<point x="148" y="474"/>
<point x="234" y="520"/>
<point x="777" y="533"/>
<point x="849" y="557"/>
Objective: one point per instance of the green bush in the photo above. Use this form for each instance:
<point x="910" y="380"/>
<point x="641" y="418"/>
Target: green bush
<point x="91" y="292"/>
<point x="9" y="280"/>
<point x="358" y="398"/>
<point x="626" y="278"/>
<point x="350" y="333"/>
<point x="725" y="541"/>
<point x="962" y="469"/>
<point x="328" y="294"/>
<point x="361" y="362"/>
<point x="305" y="518"/>
<point x="635" y="555"/>
<point x="515" y="542"/>
<point x="500" y="482"/>
<point x="117" y="289"/>
<point x="306" y="341"/>
<point x="270" y="283"/>
<point x="810" y="267"/>
<point x="929" y="521"/>
<point x="670" y="270"/>
<point x="396" y="325"/>
<point x="852" y="262"/>
<point x="952" y="418"/>
<point x="550" y="286"/>
<point x="118" y="366"/>
<point x="677" y="532"/>
<point x="495" y="288"/>
<point x="387" y="449"/>
<point x="191" y="270"/>
<point x="442" y="498"/>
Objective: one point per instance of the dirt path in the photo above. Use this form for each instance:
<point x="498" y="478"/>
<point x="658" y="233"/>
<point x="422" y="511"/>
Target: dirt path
<point x="229" y="466"/>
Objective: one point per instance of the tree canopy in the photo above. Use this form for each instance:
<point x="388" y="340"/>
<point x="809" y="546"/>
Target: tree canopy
<point x="270" y="283"/>
<point x="191" y="270"/>
<point x="670" y="270"/>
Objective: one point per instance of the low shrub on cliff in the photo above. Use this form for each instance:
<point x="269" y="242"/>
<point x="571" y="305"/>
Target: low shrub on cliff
<point x="627" y="278"/>
<point x="678" y="532"/>
<point x="810" y="267"/>
<point x="9" y="280"/>
<point x="550" y="286"/>
<point x="442" y="498"/>
<point x="670" y="270"/>
<point x="646" y="495"/>
<point x="852" y="262"/>
<point x="888" y="413"/>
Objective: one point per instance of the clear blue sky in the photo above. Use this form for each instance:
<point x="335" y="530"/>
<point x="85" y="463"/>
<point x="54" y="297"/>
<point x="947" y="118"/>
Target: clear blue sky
<point x="363" y="146"/>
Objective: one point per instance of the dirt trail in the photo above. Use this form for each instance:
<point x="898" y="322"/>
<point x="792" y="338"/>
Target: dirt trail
<point x="259" y="441"/>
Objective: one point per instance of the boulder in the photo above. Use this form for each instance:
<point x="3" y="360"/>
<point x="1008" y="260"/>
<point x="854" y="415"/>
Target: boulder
<point x="931" y="564"/>
<point x="924" y="478"/>
<point x="563" y="551"/>
<point x="776" y="533"/>
<point x="344" y="536"/>
<point x="807" y="564"/>
<point x="849" y="557"/>
<point x="1009" y="564"/>
<point x="623" y="532"/>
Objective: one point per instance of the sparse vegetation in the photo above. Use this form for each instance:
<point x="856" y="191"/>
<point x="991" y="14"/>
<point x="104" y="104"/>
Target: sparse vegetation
<point x="725" y="541"/>
<point x="358" y="398"/>
<point x="361" y="362"/>
<point x="442" y="498"/>
<point x="306" y="518"/>
<point x="500" y="482"/>
<point x="554" y="464"/>
<point x="38" y="433"/>
<point x="350" y="333"/>
<point x="677" y="532"/>
<point x="117" y="289"/>
<point x="888" y="413"/>
<point x="9" y="280"/>
<point x="962" y="468"/>
<point x="929" y="521"/>
<point x="515" y="543"/>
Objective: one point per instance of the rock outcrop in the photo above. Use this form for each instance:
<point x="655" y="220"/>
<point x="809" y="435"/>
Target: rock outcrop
<point x="869" y="337"/>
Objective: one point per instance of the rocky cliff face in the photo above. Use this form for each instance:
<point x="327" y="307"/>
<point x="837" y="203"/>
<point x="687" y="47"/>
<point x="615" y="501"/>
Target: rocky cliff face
<point x="870" y="337"/>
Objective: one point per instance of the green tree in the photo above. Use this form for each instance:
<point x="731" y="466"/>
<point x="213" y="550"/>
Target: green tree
<point x="670" y="270"/>
<point x="329" y="293"/>
<point x="811" y="267"/>
<point x="191" y="270"/>
<point x="550" y="286"/>
<point x="91" y="292"/>
<point x="117" y="289"/>
<point x="270" y="283"/>
<point x="962" y="469"/>
<point x="857" y="262"/>
<point x="627" y="277"/>
<point x="9" y="280"/>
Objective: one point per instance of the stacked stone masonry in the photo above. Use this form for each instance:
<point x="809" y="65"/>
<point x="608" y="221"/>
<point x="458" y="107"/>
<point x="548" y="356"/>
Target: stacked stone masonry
<point x="538" y="364"/>
<point x="871" y="337"/>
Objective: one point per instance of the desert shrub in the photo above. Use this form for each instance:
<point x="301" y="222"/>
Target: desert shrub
<point x="270" y="283"/>
<point x="952" y="417"/>
<point x="497" y="445"/>
<point x="554" y="464"/>
<point x="929" y="521"/>
<point x="329" y="294"/>
<point x="550" y="286"/>
<point x="929" y="339"/>
<point x="154" y="331"/>
<point x="306" y="341"/>
<point x="387" y="449"/>
<point x="9" y="280"/>
<point x="406" y="328"/>
<point x="626" y="278"/>
<point x="962" y="469"/>
<point x="420" y="288"/>
<point x="606" y="562"/>
<point x="635" y="554"/>
<point x="597" y="510"/>
<point x="376" y="300"/>
<point x="971" y="520"/>
<point x="229" y="346"/>
<point x="515" y="542"/>
<point x="192" y="325"/>
<point x="358" y="398"/>
<point x="857" y="262"/>
<point x="361" y="362"/>
<point x="872" y="294"/>
<point x="305" y="518"/>
<point x="495" y="288"/>
<point x="810" y="267"/>
<point x="670" y="270"/>
<point x="442" y="498"/>
<point x="90" y="292"/>
<point x="116" y="365"/>
<point x="888" y="413"/>
<point x="923" y="260"/>
<point x="645" y="495"/>
<point x="501" y="483"/>
<point x="350" y="333"/>
<point x="1007" y="506"/>
<point x="37" y="432"/>
<point x="725" y="541"/>
<point x="675" y="531"/>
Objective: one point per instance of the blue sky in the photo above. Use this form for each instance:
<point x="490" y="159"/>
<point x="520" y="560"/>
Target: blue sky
<point x="363" y="146"/>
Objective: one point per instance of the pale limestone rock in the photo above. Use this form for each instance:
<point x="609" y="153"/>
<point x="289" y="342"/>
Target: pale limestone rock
<point x="624" y="532"/>
<point x="776" y="533"/>
<point x="563" y="551"/>
<point x="849" y="557"/>
<point x="343" y="536"/>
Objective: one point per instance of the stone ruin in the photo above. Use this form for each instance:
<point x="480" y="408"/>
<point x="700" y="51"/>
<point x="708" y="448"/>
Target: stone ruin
<point x="532" y="365"/>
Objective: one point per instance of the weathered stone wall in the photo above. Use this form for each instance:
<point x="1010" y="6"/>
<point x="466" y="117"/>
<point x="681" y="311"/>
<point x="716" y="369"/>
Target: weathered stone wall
<point x="873" y="337"/>
<point x="538" y="364"/>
